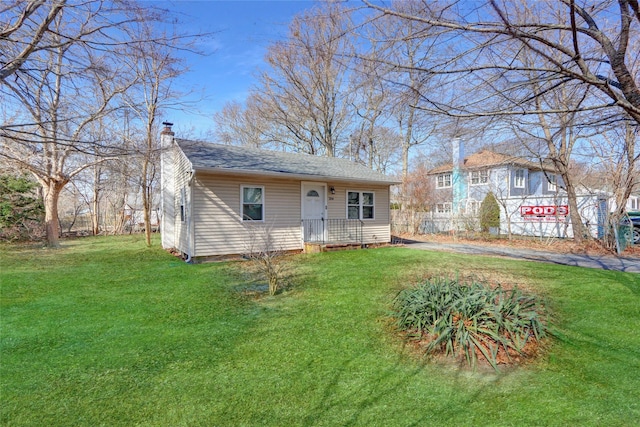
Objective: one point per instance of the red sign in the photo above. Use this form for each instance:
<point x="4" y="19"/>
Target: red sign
<point x="553" y="211"/>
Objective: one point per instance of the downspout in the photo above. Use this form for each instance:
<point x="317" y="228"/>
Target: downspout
<point x="190" y="237"/>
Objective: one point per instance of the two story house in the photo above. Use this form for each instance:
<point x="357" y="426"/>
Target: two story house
<point x="530" y="194"/>
<point x="460" y="188"/>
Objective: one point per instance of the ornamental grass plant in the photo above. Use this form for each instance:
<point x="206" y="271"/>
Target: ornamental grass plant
<point x="470" y="320"/>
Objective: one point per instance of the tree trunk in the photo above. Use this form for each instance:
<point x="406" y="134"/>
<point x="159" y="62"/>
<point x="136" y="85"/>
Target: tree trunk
<point x="146" y="202"/>
<point x="95" y="223"/>
<point x="95" y="203"/>
<point x="407" y="143"/>
<point x="574" y="212"/>
<point x="147" y="221"/>
<point x="120" y="217"/>
<point x="51" y="190"/>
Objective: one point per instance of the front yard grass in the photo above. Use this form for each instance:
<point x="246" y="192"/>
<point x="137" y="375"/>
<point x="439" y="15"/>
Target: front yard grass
<point x="108" y="332"/>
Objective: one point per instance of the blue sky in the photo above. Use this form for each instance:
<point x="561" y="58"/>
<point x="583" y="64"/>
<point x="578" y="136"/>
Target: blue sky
<point x="243" y="30"/>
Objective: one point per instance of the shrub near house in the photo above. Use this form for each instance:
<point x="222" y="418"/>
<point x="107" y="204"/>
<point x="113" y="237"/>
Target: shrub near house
<point x="489" y="213"/>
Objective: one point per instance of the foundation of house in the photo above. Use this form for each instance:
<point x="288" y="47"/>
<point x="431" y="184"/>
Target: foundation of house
<point x="330" y="247"/>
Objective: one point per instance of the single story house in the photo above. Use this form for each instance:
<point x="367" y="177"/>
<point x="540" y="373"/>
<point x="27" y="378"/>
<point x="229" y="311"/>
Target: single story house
<point x="216" y="198"/>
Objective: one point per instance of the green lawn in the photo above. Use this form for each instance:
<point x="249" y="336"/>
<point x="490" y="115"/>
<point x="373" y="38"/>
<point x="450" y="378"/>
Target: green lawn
<point x="107" y="332"/>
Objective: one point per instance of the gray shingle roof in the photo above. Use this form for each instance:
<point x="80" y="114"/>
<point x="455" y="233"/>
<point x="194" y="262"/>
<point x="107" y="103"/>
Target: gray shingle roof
<point x="249" y="160"/>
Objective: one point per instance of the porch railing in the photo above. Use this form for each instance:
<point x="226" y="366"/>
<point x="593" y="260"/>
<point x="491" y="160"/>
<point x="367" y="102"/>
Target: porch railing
<point x="332" y="230"/>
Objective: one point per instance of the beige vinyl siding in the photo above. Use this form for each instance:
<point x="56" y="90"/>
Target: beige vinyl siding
<point x="375" y="230"/>
<point x="182" y="175"/>
<point x="219" y="229"/>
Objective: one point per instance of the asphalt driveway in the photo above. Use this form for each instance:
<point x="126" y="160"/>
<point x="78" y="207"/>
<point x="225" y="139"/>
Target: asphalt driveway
<point x="604" y="262"/>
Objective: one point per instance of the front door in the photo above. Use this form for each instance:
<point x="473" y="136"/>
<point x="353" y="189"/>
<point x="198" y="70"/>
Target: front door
<point x="313" y="211"/>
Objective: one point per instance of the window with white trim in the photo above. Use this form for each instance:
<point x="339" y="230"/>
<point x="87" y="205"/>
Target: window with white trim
<point x="360" y="205"/>
<point x="519" y="178"/>
<point x="183" y="198"/>
<point x="473" y="207"/>
<point x="479" y="177"/>
<point x="553" y="183"/>
<point x="252" y="199"/>
<point x="443" y="180"/>
<point x="443" y="208"/>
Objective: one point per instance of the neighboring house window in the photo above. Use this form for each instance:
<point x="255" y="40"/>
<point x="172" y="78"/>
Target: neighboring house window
<point x="183" y="197"/>
<point x="252" y="203"/>
<point x="552" y="183"/>
<point x="360" y="205"/>
<point x="479" y="177"/>
<point x="519" y="178"/>
<point x="443" y="208"/>
<point x="444" y="180"/>
<point x="473" y="206"/>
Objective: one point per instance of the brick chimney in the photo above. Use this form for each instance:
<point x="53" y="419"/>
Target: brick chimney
<point x="166" y="135"/>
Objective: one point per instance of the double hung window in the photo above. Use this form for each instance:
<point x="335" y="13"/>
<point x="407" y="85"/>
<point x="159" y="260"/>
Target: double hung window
<point x="479" y="177"/>
<point x="519" y="178"/>
<point x="473" y="207"/>
<point x="183" y="202"/>
<point x="443" y="180"/>
<point x="360" y="205"/>
<point x="252" y="203"/>
<point x="443" y="208"/>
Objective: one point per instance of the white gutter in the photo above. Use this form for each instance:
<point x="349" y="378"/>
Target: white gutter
<point x="304" y="177"/>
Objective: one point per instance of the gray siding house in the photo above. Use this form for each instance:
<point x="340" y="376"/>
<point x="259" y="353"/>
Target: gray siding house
<point x="215" y="197"/>
<point x="531" y="196"/>
<point x="460" y="187"/>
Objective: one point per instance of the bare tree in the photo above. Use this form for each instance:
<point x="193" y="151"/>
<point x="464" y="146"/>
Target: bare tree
<point x="370" y="102"/>
<point x="25" y="29"/>
<point x="68" y="83"/>
<point x="122" y="178"/>
<point x="553" y="138"/>
<point x="238" y="125"/>
<point x="410" y="46"/>
<point x="155" y="66"/>
<point x="567" y="42"/>
<point x="266" y="255"/>
<point x="418" y="197"/>
<point x="59" y="101"/>
<point x="304" y="93"/>
<point x="618" y="157"/>
<point x="504" y="59"/>
<point x="72" y="204"/>
<point x="381" y="146"/>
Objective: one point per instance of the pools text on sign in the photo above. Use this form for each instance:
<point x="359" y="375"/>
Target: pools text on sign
<point x="544" y="211"/>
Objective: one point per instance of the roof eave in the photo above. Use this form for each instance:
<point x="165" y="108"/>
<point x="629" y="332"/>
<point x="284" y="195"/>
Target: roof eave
<point x="493" y="165"/>
<point x="286" y="175"/>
